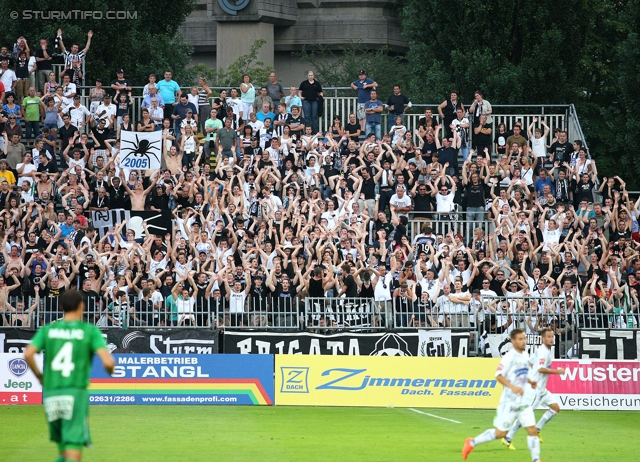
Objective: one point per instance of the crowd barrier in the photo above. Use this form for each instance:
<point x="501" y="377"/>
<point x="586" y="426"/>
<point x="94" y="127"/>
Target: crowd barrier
<point x="455" y="222"/>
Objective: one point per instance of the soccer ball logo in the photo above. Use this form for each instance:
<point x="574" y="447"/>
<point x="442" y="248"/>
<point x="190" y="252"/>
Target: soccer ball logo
<point x="391" y="345"/>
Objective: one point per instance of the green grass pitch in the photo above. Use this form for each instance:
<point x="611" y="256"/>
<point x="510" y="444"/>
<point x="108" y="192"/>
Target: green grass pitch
<point x="198" y="433"/>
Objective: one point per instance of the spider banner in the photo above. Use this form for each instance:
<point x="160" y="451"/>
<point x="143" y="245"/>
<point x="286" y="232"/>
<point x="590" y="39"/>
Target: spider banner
<point x="140" y="151"/>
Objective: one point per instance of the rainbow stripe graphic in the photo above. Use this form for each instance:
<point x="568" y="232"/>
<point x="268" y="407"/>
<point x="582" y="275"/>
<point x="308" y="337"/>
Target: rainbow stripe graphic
<point x="251" y="389"/>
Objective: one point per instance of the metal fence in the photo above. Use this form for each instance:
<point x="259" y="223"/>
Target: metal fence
<point x="443" y="223"/>
<point x="485" y="317"/>
<point x="344" y="314"/>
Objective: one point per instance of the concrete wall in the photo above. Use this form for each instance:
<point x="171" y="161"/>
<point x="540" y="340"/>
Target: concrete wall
<point x="318" y="22"/>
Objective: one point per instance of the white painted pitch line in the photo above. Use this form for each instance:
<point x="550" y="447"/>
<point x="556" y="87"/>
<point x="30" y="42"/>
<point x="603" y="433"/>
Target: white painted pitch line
<point x="434" y="416"/>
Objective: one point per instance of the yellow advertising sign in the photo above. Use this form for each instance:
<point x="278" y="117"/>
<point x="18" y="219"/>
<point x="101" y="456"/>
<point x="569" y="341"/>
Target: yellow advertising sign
<point x="381" y="381"/>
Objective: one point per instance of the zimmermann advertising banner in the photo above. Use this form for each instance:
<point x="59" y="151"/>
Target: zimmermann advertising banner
<point x="462" y="383"/>
<point x="424" y="343"/>
<point x="597" y="385"/>
<point x="184" y="379"/>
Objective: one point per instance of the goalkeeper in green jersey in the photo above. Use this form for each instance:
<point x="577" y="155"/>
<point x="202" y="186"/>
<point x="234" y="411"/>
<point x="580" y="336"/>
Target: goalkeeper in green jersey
<point x="69" y="345"/>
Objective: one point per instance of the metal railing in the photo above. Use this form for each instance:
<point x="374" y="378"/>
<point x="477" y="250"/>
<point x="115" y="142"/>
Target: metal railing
<point x="344" y="314"/>
<point x="443" y="223"/>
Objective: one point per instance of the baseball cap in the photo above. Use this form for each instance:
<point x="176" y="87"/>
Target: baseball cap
<point x="362" y="71"/>
<point x="120" y="71"/>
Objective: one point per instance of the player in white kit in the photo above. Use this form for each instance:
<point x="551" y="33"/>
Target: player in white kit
<point x="540" y="396"/>
<point x="513" y="373"/>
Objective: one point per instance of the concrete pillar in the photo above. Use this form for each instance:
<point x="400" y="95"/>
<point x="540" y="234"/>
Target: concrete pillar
<point x="235" y="39"/>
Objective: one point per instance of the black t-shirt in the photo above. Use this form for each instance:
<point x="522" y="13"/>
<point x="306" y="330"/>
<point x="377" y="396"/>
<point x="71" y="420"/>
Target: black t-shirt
<point x="310" y="91"/>
<point x="44" y="65"/>
<point x="398" y="102"/>
<point x="100" y="136"/>
<point x="66" y="134"/>
<point x="352" y="288"/>
<point x="123" y="82"/>
<point x="561" y="151"/>
<point x="583" y="192"/>
<point x="475" y="195"/>
<point x="352" y="129"/>
<point x="369" y="188"/>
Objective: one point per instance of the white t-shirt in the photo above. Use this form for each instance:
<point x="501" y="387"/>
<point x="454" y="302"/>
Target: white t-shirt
<point x="444" y="203"/>
<point x="539" y="146"/>
<point x="540" y="359"/>
<point x="514" y="367"/>
<point x="405" y="201"/>
<point x="549" y="236"/>
<point x="28" y="168"/>
<point x="380" y="293"/>
<point x="67" y="91"/>
<point x="236" y="301"/>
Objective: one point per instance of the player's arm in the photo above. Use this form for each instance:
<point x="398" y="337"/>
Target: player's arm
<point x="546" y="370"/>
<point x="30" y="357"/>
<point x="503" y="381"/>
<point x="107" y="360"/>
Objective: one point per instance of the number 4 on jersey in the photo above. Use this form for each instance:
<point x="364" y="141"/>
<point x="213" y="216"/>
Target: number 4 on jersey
<point x="63" y="362"/>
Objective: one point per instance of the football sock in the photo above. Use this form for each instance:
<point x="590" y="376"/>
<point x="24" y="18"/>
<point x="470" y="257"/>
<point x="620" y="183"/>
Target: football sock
<point x="512" y="431"/>
<point x="550" y="414"/>
<point x="60" y="459"/>
<point x="486" y="437"/>
<point x="534" y="447"/>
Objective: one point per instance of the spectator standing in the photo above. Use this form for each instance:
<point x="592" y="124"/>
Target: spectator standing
<point x="79" y="114"/>
<point x="152" y="82"/>
<point x="31" y="110"/>
<point x="561" y="150"/>
<point x="448" y="111"/>
<point x="44" y="61"/>
<point x="397" y="105"/>
<point x="274" y="90"/>
<point x="204" y="104"/>
<point x="293" y="99"/>
<point x="310" y="92"/>
<point x="170" y="92"/>
<point x="69" y="90"/>
<point x="211" y="127"/>
<point x="363" y="85"/>
<point x="7" y="76"/>
<point x="461" y="125"/>
<point x="120" y="84"/>
<point x="180" y="112"/>
<point x="480" y="106"/>
<point x="107" y="111"/>
<point x="75" y="53"/>
<point x="247" y="96"/>
<point x="22" y="74"/>
<point x="261" y="99"/>
<point x="373" y="110"/>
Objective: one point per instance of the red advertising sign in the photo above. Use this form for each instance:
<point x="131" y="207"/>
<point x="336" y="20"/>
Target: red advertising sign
<point x="597" y="385"/>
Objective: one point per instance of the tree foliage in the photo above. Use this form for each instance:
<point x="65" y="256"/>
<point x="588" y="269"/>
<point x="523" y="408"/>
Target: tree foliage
<point x="339" y="70"/>
<point x="232" y="76"/>
<point x="149" y="43"/>
<point x="585" y="52"/>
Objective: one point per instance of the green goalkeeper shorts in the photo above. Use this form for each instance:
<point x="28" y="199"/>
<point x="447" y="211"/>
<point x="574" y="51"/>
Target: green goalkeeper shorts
<point x="67" y="411"/>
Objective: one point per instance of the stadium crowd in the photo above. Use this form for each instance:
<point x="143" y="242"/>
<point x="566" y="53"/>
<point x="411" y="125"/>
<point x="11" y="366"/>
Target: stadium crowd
<point x="269" y="210"/>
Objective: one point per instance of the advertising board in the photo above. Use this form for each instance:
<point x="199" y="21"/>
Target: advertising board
<point x="597" y="385"/>
<point x="397" y="381"/>
<point x="18" y="384"/>
<point x="184" y="379"/>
